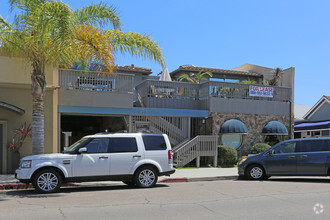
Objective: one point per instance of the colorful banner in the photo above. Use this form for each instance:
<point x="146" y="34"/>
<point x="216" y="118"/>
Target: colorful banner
<point x="261" y="91"/>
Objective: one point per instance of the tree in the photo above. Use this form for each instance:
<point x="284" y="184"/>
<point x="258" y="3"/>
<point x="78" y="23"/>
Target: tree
<point x="194" y="77"/>
<point x="50" y="32"/>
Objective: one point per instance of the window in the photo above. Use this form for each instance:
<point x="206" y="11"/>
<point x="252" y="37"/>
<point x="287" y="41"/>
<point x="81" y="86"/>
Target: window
<point x="326" y="133"/>
<point x="120" y="145"/>
<point x="285" y="148"/>
<point x="98" y="145"/>
<point x="232" y="140"/>
<point x="312" y="146"/>
<point x="154" y="142"/>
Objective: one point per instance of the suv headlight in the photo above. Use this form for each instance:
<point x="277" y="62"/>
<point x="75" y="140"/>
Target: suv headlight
<point x="26" y="164"/>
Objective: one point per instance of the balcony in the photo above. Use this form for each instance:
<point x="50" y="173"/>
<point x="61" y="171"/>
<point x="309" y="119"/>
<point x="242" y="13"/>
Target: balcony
<point x="91" y="89"/>
<point x="212" y="96"/>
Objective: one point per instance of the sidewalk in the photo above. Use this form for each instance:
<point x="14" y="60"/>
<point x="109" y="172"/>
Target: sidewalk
<point x="8" y="182"/>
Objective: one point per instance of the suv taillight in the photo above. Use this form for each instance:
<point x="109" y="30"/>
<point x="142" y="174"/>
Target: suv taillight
<point x="170" y="155"/>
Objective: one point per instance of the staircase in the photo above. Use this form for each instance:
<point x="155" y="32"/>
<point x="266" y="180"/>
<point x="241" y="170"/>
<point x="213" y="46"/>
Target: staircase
<point x="176" y="128"/>
<point x="202" y="145"/>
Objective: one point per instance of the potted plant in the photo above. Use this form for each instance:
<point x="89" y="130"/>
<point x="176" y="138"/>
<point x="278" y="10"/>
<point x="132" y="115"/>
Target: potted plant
<point x="19" y="138"/>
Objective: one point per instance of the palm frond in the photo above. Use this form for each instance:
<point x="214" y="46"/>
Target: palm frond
<point x="93" y="45"/>
<point x="185" y="77"/>
<point x="135" y="44"/>
<point x="25" y="5"/>
<point x="99" y="15"/>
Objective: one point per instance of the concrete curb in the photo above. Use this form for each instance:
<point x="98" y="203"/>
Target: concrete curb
<point x="215" y="178"/>
<point x="13" y="186"/>
<point x="173" y="180"/>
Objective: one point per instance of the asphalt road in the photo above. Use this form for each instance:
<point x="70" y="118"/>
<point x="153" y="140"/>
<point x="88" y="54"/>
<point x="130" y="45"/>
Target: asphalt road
<point x="276" y="198"/>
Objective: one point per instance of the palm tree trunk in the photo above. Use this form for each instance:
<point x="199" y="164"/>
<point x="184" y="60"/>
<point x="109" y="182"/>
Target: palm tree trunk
<point x="38" y="127"/>
<point x="38" y="87"/>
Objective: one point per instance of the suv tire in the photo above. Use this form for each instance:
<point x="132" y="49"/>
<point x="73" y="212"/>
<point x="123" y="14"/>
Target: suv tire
<point x="145" y="177"/>
<point x="255" y="172"/>
<point x="47" y="181"/>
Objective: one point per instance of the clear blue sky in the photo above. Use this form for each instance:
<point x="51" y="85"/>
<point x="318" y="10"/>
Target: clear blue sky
<point x="227" y="34"/>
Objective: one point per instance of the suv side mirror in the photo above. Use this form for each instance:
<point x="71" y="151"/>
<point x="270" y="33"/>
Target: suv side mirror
<point x="82" y="150"/>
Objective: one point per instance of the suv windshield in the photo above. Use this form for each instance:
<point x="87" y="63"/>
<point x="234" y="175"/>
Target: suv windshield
<point x="74" y="146"/>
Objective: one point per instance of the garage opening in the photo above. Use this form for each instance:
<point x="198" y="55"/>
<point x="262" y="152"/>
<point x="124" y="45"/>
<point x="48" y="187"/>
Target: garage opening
<point x="74" y="127"/>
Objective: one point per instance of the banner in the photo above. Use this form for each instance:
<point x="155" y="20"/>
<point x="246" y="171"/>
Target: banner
<point x="261" y="91"/>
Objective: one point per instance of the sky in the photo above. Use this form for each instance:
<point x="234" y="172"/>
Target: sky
<point x="227" y="34"/>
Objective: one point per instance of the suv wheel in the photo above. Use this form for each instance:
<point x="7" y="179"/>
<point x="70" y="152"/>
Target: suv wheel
<point x="145" y="177"/>
<point x="255" y="172"/>
<point x="47" y="181"/>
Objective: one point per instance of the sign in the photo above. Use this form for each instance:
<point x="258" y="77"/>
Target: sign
<point x="261" y="91"/>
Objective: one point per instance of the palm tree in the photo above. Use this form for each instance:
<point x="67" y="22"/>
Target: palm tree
<point x="194" y="77"/>
<point x="50" y="32"/>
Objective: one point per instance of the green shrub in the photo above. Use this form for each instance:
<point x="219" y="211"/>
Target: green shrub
<point x="259" y="148"/>
<point x="226" y="155"/>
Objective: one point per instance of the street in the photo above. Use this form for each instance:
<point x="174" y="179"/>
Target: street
<point x="276" y="198"/>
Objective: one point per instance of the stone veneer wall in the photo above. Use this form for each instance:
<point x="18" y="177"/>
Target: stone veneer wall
<point x="254" y="123"/>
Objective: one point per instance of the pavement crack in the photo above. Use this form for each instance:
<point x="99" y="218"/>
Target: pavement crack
<point x="146" y="199"/>
<point x="205" y="207"/>
<point x="23" y="203"/>
<point x="62" y="213"/>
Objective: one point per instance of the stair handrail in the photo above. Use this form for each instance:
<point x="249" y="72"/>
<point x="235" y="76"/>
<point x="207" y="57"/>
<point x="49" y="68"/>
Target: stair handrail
<point x="198" y="146"/>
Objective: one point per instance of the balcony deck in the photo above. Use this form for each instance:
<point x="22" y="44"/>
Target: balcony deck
<point x="212" y="96"/>
<point x="93" y="89"/>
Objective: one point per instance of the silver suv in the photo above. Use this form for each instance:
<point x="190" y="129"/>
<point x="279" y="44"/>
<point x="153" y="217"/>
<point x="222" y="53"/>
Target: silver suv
<point x="134" y="158"/>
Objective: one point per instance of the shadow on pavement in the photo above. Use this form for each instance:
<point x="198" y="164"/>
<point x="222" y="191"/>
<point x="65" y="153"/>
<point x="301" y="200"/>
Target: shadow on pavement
<point x="291" y="179"/>
<point x="31" y="193"/>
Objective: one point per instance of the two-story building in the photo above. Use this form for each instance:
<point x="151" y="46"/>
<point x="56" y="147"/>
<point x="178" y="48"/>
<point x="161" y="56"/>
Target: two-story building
<point x="196" y="117"/>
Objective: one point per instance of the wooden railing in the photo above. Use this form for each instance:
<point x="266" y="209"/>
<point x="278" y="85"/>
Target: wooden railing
<point x="177" y="128"/>
<point x="95" y="81"/>
<point x="160" y="94"/>
<point x="239" y="91"/>
<point x="202" y="145"/>
<point x="178" y="95"/>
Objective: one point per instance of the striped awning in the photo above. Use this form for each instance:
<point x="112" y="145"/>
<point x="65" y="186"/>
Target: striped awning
<point x="275" y="128"/>
<point x="233" y="126"/>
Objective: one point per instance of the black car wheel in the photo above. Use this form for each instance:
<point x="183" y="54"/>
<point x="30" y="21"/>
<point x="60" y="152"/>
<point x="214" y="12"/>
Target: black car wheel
<point x="145" y="177"/>
<point x="47" y="181"/>
<point x="255" y="172"/>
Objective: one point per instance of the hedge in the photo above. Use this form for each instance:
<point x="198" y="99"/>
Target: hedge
<point x="259" y="148"/>
<point x="226" y="155"/>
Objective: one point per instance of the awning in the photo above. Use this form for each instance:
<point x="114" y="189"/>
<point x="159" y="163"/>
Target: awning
<point x="312" y="126"/>
<point x="12" y="108"/>
<point x="275" y="128"/>
<point x="233" y="126"/>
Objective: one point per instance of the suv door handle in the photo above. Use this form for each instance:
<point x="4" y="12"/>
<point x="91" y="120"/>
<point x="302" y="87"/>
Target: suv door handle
<point x="292" y="157"/>
<point x="103" y="158"/>
<point x="303" y="156"/>
<point x="136" y="156"/>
